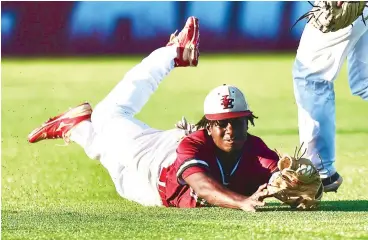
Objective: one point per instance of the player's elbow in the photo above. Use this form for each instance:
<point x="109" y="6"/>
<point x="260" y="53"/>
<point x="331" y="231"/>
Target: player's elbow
<point x="202" y="190"/>
<point x="202" y="184"/>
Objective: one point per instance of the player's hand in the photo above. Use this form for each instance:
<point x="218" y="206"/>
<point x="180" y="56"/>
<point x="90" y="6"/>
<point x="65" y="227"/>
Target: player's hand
<point x="183" y="124"/>
<point x="250" y="204"/>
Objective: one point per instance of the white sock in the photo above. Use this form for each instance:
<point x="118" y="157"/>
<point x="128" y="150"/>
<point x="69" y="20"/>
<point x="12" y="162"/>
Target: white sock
<point x="84" y="135"/>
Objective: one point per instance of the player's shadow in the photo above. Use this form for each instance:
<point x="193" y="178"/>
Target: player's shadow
<point x="343" y="206"/>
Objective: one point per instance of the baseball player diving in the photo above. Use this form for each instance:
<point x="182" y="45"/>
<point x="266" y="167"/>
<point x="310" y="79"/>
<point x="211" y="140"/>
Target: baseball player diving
<point x="219" y="164"/>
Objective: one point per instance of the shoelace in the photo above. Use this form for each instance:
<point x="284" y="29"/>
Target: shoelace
<point x="173" y="37"/>
<point x="66" y="138"/>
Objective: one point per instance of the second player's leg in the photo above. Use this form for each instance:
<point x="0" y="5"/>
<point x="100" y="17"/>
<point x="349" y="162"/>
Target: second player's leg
<point x="318" y="62"/>
<point x="358" y="68"/>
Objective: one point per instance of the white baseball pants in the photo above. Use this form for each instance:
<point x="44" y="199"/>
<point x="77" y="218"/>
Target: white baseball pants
<point x="131" y="151"/>
<point x="319" y="59"/>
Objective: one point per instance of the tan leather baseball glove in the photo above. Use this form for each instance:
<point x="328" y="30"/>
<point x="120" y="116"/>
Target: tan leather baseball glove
<point x="331" y="16"/>
<point x="297" y="184"/>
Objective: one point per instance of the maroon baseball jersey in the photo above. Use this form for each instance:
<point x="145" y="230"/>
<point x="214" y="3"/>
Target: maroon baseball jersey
<point x="196" y="153"/>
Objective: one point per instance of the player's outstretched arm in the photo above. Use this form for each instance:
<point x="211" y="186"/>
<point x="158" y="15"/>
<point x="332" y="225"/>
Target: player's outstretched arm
<point x="216" y="194"/>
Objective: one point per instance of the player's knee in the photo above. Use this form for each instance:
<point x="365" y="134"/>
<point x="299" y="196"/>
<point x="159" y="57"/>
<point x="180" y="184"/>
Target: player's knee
<point x="104" y="113"/>
<point x="319" y="91"/>
<point x="362" y="92"/>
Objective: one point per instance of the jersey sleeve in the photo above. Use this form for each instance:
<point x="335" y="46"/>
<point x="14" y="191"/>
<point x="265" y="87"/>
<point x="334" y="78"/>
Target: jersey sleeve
<point x="188" y="160"/>
<point x="267" y="157"/>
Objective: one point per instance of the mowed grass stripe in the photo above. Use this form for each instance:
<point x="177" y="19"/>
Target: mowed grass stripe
<point x="52" y="192"/>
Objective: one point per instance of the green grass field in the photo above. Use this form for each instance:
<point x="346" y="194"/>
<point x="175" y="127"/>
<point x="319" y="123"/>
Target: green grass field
<point x="53" y="192"/>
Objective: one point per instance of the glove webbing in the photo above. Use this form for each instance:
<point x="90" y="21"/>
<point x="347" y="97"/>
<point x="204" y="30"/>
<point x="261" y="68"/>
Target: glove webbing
<point x="310" y="14"/>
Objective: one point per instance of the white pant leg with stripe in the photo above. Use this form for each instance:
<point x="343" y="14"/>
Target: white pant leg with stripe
<point x="319" y="59"/>
<point x="131" y="151"/>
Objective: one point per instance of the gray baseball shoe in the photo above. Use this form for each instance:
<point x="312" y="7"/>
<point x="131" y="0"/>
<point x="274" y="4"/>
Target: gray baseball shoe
<point x="331" y="184"/>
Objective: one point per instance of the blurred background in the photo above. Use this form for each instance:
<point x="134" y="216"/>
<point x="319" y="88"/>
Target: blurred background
<point x="57" y="55"/>
<point x="85" y="28"/>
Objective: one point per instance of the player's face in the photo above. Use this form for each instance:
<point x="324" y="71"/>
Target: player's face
<point x="229" y="135"/>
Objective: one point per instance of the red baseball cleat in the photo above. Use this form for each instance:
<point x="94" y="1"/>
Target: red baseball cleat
<point x="59" y="126"/>
<point x="187" y="42"/>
